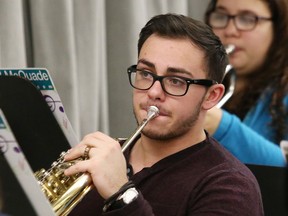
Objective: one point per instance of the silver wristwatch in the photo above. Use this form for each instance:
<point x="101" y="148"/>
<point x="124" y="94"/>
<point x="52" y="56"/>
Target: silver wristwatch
<point x="129" y="195"/>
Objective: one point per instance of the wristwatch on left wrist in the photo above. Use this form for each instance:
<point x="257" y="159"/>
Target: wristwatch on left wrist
<point x="128" y="196"/>
<point x="123" y="199"/>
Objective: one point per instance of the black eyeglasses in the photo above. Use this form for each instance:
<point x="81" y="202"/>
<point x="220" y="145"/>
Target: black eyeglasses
<point x="172" y="85"/>
<point x="243" y="22"/>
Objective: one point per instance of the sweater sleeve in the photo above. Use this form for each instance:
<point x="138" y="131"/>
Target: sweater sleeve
<point x="247" y="145"/>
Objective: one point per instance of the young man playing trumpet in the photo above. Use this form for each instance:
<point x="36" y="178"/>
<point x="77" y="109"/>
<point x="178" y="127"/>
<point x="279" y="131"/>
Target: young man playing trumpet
<point x="174" y="167"/>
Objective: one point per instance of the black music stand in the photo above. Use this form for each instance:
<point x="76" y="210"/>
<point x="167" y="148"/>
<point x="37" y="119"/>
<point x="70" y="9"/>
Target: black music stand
<point x="37" y="132"/>
<point x="273" y="182"/>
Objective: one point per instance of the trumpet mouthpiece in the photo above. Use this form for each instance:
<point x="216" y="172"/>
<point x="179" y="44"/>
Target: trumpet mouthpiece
<point x="153" y="111"/>
<point x="230" y="48"/>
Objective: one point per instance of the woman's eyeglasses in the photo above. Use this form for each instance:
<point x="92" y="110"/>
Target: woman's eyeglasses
<point x="243" y="22"/>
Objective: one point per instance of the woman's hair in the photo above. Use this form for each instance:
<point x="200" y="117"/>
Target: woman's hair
<point x="272" y="74"/>
<point x="201" y="35"/>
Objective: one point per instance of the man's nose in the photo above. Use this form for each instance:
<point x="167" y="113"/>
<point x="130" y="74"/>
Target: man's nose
<point x="156" y="91"/>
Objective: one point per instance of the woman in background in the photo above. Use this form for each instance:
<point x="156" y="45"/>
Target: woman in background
<point x="256" y="114"/>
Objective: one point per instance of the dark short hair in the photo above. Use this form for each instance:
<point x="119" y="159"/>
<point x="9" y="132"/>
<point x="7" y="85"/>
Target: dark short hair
<point x="180" y="26"/>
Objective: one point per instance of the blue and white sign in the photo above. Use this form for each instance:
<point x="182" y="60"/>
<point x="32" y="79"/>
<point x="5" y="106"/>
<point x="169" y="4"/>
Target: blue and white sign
<point x="39" y="77"/>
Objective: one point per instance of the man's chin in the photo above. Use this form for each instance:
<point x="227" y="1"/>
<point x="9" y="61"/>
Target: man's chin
<point x="156" y="135"/>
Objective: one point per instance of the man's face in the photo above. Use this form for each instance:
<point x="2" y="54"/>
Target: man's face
<point x="178" y="115"/>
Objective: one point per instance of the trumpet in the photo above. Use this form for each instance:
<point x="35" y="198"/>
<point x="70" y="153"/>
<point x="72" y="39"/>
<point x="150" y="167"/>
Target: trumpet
<point x="230" y="76"/>
<point x="65" y="192"/>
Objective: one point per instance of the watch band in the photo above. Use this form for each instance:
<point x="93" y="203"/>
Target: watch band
<point x="127" y="197"/>
<point x="124" y="198"/>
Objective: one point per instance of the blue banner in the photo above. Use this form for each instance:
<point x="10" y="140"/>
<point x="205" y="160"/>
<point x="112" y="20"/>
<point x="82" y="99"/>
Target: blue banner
<point x="39" y="77"/>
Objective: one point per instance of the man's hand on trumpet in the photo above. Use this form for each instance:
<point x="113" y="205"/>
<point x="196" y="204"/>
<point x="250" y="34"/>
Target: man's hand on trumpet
<point x="105" y="162"/>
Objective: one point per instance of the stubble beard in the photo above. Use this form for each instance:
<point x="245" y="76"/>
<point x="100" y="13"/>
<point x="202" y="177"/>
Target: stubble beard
<point x="177" y="130"/>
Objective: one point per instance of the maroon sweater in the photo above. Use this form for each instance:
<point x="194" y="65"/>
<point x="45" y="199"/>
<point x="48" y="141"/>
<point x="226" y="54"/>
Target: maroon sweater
<point x="204" y="179"/>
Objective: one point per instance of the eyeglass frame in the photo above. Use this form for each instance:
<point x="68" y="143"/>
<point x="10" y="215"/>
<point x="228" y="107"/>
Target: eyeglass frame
<point x="234" y="17"/>
<point x="202" y="82"/>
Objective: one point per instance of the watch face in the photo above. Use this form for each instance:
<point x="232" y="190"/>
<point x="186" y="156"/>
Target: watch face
<point x="129" y="195"/>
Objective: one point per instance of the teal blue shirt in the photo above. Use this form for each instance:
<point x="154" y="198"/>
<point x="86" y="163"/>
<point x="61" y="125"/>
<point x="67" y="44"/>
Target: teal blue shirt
<point x="251" y="141"/>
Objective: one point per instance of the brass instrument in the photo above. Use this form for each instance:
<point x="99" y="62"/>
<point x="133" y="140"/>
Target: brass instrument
<point x="229" y="75"/>
<point x="229" y="48"/>
<point x="65" y="192"/>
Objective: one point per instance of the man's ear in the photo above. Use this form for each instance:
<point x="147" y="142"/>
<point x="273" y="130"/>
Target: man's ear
<point x="213" y="96"/>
